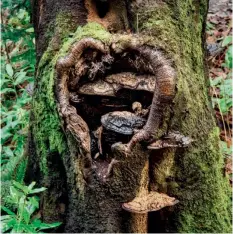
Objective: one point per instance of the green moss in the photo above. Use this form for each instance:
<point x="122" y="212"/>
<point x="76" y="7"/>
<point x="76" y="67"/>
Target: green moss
<point x="204" y="197"/>
<point x="92" y="30"/>
<point x="159" y="24"/>
<point x="176" y="27"/>
<point x="60" y="28"/>
<point x="47" y="128"/>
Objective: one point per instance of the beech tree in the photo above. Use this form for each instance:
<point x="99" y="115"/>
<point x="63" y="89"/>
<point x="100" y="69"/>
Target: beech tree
<point x="122" y="132"/>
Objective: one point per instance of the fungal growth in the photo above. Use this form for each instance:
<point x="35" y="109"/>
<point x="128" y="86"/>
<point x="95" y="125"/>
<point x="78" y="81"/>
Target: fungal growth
<point x="122" y="90"/>
<point x="113" y="96"/>
<point x="152" y="202"/>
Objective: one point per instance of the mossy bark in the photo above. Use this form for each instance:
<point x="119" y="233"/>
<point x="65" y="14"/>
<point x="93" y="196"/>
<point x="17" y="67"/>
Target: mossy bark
<point x="194" y="175"/>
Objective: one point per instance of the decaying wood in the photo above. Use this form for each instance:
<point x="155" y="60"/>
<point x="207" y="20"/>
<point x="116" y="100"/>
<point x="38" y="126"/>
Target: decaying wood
<point x="83" y="73"/>
<point x="98" y="135"/>
<point x="74" y="124"/>
<point x="113" y="18"/>
<point x="163" y="94"/>
<point x="150" y="60"/>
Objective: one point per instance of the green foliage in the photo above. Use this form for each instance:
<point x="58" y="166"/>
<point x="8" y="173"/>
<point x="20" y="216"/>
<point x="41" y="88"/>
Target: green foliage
<point x="23" y="220"/>
<point x="14" y="169"/>
<point x="224" y="101"/>
<point x="225" y="150"/>
<point x="228" y="58"/>
<point x="209" y="26"/>
<point x="226" y="41"/>
<point x="17" y="66"/>
<point x="222" y="90"/>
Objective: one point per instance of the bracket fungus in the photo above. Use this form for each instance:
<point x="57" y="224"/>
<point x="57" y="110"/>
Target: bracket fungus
<point x="112" y="95"/>
<point x="122" y="122"/>
<point x="171" y="140"/>
<point x="151" y="202"/>
<point x="95" y="79"/>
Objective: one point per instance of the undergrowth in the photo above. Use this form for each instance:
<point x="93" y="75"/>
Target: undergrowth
<point x="23" y="217"/>
<point x="17" y="66"/>
<point x="18" y="205"/>
<point x="219" y="44"/>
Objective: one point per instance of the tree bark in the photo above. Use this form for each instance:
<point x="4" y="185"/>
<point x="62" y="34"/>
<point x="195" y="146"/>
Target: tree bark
<point x="85" y="193"/>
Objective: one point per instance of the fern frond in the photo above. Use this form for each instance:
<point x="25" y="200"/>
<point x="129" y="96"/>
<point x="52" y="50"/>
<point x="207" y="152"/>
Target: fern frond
<point x="14" y="169"/>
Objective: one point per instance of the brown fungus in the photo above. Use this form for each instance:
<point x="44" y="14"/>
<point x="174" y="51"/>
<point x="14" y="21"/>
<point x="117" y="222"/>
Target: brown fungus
<point x="110" y="85"/>
<point x="171" y="140"/>
<point x="95" y="79"/>
<point x="122" y="122"/>
<point x="153" y="201"/>
<point x="154" y="62"/>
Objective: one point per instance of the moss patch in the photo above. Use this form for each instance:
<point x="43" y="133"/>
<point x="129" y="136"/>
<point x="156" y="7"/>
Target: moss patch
<point x="202" y="189"/>
<point x="47" y="128"/>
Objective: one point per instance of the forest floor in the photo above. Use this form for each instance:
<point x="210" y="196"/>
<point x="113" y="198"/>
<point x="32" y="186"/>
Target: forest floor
<point x="219" y="45"/>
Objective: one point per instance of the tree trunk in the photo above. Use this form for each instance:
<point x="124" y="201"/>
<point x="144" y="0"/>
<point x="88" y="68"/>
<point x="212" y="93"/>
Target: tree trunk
<point x="81" y="43"/>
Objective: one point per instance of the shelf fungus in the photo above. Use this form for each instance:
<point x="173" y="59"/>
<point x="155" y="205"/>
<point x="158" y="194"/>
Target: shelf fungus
<point x="152" y="61"/>
<point x="115" y="92"/>
<point x="122" y="122"/>
<point x="154" y="201"/>
<point x="114" y="83"/>
<point x="171" y="140"/>
<point x="116" y="126"/>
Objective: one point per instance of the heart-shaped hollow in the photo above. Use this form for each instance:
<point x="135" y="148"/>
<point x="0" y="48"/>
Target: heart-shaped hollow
<point x="95" y="79"/>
